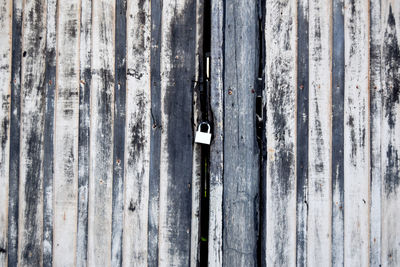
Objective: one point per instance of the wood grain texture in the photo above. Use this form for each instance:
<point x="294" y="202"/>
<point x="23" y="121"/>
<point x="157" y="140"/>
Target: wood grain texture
<point x="337" y="133"/>
<point x="5" y="96"/>
<point x="375" y="90"/>
<point x="101" y="133"/>
<point x="85" y="49"/>
<point x="241" y="160"/>
<point x="15" y="116"/>
<point x="177" y="67"/>
<point x="390" y="248"/>
<point x="215" y="227"/>
<point x="280" y="100"/>
<point x="32" y="125"/>
<point x="138" y="127"/>
<point x="320" y="113"/>
<point x="48" y="158"/>
<point x="356" y="134"/>
<point x="66" y="135"/>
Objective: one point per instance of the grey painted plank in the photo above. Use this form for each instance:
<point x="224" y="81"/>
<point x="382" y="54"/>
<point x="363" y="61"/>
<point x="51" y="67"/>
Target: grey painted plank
<point x="15" y="115"/>
<point x="241" y="160"/>
<point x="216" y="151"/>
<point x="302" y="131"/>
<point x="48" y="171"/>
<point x="5" y="96"/>
<point x="390" y="250"/>
<point x="101" y="133"/>
<point x="84" y="134"/>
<point x="33" y="100"/>
<point x="280" y="97"/>
<point x="337" y="133"/>
<point x="155" y="135"/>
<point x="138" y="127"/>
<point x="177" y="72"/>
<point x="119" y="132"/>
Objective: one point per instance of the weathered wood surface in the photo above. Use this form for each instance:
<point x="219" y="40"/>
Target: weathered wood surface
<point x="100" y="101"/>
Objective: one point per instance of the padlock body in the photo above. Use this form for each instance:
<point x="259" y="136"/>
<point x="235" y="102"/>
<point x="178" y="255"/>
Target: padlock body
<point x="203" y="138"/>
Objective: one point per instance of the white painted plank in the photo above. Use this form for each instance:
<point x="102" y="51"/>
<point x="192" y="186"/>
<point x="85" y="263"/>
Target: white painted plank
<point x="5" y="83"/>
<point x="32" y="126"/>
<point x="390" y="224"/>
<point x="375" y="90"/>
<point x="356" y="134"/>
<point x="216" y="151"/>
<point x="319" y="169"/>
<point x="66" y="135"/>
<point x="137" y="144"/>
<point x="101" y="134"/>
<point x="280" y="101"/>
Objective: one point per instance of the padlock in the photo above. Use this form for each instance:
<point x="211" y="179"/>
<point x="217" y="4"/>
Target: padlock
<point x="202" y="137"/>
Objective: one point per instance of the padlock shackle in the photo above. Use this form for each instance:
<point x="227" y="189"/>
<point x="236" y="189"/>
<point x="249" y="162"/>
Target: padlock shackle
<point x="204" y="123"/>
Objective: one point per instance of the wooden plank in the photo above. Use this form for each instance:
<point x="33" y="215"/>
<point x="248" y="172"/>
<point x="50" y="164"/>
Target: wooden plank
<point x="216" y="150"/>
<point x="15" y="115"/>
<point x="356" y="134"/>
<point x="138" y="127"/>
<point x="66" y="134"/>
<point x="5" y="96"/>
<point x="155" y="135"/>
<point x="375" y="91"/>
<point x="302" y="138"/>
<point x="48" y="158"/>
<point x="33" y="101"/>
<point x="177" y="70"/>
<point x="84" y="133"/>
<point x="390" y="250"/>
<point x="119" y="133"/>
<point x="101" y="132"/>
<point x="280" y="97"/>
<point x="198" y="165"/>
<point x="241" y="159"/>
<point x="320" y="113"/>
<point x="337" y="133"/>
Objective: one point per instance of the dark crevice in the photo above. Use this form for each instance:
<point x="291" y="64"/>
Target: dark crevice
<point x="206" y="116"/>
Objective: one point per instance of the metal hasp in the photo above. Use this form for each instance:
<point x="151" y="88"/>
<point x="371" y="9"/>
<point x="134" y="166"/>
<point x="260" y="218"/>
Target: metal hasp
<point x="203" y="137"/>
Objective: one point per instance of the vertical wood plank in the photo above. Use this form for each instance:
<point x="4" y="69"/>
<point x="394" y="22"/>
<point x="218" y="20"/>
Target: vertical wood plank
<point x="390" y="250"/>
<point x="48" y="158"/>
<point x="216" y="150"/>
<point x="319" y="167"/>
<point x="101" y="132"/>
<point x="241" y="160"/>
<point x="15" y="116"/>
<point x="5" y="96"/>
<point x="177" y="72"/>
<point x="138" y="126"/>
<point x="66" y="134"/>
<point x="199" y="85"/>
<point x="155" y="135"/>
<point x="337" y="133"/>
<point x="85" y="50"/>
<point x="356" y="133"/>
<point x="302" y="137"/>
<point x="119" y="133"/>
<point x="375" y="91"/>
<point x="280" y="37"/>
<point x="32" y="126"/>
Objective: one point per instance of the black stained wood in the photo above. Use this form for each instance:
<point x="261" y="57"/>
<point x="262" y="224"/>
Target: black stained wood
<point x="338" y="134"/>
<point x="15" y="117"/>
<point x="119" y="132"/>
<point x="241" y="160"/>
<point x="302" y="133"/>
